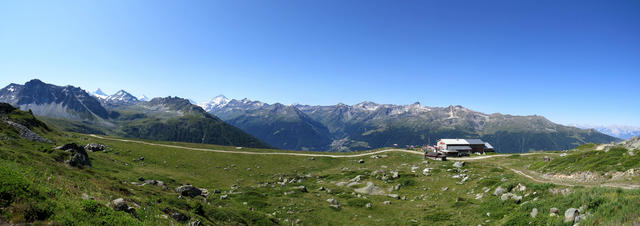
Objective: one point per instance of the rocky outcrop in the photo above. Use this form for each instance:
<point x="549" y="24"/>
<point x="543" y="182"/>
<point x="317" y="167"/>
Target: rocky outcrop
<point x="78" y="157"/>
<point x="370" y="189"/>
<point x="26" y="133"/>
<point x="191" y="191"/>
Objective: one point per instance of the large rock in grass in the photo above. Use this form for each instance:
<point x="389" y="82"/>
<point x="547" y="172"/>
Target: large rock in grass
<point x="120" y="205"/>
<point x="499" y="191"/>
<point x="189" y="190"/>
<point x="570" y="215"/>
<point x="79" y="156"/>
<point x="370" y="189"/>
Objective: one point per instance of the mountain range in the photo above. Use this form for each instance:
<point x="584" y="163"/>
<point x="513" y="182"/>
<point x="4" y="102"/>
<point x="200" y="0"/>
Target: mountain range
<point x="622" y="132"/>
<point x="122" y="114"/>
<point x="370" y="125"/>
<point x="252" y="123"/>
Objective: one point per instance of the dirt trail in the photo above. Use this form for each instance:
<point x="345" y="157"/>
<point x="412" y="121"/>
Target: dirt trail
<point x="300" y="154"/>
<point x="471" y="158"/>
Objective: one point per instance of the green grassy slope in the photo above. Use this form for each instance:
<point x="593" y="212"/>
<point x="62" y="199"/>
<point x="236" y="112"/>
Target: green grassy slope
<point x="35" y="187"/>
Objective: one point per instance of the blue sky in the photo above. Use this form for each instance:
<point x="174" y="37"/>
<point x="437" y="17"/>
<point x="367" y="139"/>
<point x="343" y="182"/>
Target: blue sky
<point x="571" y="61"/>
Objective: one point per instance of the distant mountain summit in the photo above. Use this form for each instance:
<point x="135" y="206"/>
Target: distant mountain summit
<point x="216" y="102"/>
<point x="54" y="101"/>
<point x="121" y="98"/>
<point x="143" y="98"/>
<point x="368" y="125"/>
<point x="99" y="94"/>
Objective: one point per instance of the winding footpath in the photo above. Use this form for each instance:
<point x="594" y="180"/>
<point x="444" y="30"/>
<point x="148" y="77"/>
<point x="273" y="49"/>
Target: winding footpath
<point x="470" y="158"/>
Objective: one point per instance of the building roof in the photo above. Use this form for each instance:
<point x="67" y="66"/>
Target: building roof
<point x="461" y="141"/>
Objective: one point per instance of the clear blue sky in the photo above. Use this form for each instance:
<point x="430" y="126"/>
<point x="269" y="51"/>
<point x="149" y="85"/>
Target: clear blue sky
<point x="571" y="61"/>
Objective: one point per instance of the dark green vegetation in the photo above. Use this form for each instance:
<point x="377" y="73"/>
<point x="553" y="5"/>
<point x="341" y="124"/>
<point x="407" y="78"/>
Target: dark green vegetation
<point x="369" y="125"/>
<point x="36" y="186"/>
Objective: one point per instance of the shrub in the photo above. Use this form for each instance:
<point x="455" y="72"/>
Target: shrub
<point x="358" y="202"/>
<point x="437" y="215"/>
<point x="12" y="186"/>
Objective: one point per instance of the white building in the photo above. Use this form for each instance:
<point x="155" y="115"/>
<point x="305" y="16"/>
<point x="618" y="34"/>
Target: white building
<point x="461" y="147"/>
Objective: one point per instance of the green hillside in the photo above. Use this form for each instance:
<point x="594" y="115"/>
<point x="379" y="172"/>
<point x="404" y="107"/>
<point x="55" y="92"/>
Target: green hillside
<point x="37" y="186"/>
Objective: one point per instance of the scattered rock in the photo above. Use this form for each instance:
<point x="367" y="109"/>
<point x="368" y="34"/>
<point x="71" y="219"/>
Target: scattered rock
<point x="195" y="223"/>
<point x="141" y="158"/>
<point x="334" y="203"/>
<point x="394" y="174"/>
<point x="93" y="147"/>
<point x="547" y="158"/>
<point x="387" y="202"/>
<point x="395" y="196"/>
<point x="554" y="211"/>
<point x="458" y="164"/>
<point x="563" y="154"/>
<point x="361" y="161"/>
<point x="414" y="169"/>
<point x="520" y="187"/>
<point x="509" y="195"/>
<point x="369" y="205"/>
<point x="301" y="188"/>
<point x="534" y="212"/>
<point x="85" y="196"/>
<point x="120" y="205"/>
<point x="445" y="188"/>
<point x="223" y="197"/>
<point x="570" y="215"/>
<point x="426" y="171"/>
<point x="499" y="191"/>
<point x="479" y="196"/>
<point x="370" y="189"/>
<point x="356" y="179"/>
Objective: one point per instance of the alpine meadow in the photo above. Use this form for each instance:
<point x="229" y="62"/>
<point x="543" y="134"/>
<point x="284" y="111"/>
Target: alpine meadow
<point x="319" y="112"/>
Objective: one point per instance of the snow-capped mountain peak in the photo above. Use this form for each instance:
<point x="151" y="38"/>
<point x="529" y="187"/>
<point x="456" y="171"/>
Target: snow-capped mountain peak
<point x="99" y="94"/>
<point x="220" y="100"/>
<point x="121" y="97"/>
<point x="143" y="98"/>
<point x="367" y="105"/>
<point x="217" y="102"/>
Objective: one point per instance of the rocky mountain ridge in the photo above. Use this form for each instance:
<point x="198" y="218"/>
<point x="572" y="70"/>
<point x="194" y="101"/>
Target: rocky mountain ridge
<point x="369" y="125"/>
